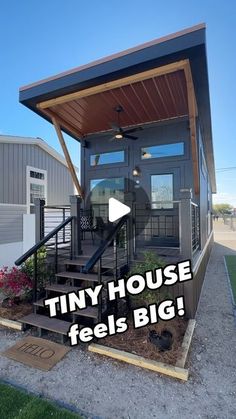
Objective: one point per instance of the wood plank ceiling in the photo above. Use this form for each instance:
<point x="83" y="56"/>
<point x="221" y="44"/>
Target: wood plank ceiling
<point x="155" y="99"/>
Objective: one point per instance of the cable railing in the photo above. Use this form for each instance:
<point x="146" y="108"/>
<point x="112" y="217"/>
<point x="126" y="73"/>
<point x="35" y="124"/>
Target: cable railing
<point x="52" y="217"/>
<point x="195" y="227"/>
<point x="157" y="223"/>
<point x="111" y="259"/>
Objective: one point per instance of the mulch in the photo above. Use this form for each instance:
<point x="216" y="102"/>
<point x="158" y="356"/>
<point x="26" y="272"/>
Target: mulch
<point x="136" y="341"/>
<point x="16" y="311"/>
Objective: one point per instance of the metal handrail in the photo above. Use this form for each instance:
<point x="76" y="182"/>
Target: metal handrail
<point x="57" y="206"/>
<point x="37" y="246"/>
<point x="99" y="252"/>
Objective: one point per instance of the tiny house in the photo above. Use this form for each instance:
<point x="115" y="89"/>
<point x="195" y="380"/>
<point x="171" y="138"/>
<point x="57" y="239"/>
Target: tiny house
<point x="29" y="169"/>
<point x="143" y="120"/>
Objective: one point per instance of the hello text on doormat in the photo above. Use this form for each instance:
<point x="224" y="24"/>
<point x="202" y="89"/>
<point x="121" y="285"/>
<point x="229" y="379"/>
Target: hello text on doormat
<point x="36" y="352"/>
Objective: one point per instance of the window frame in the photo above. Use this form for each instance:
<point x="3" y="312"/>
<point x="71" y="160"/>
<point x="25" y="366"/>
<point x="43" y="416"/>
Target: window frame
<point x="172" y="157"/>
<point x="107" y="164"/>
<point x="100" y="167"/>
<point x="31" y="180"/>
<point x="171" y="207"/>
<point x="104" y="179"/>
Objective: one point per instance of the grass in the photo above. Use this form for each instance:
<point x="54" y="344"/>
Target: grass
<point x="231" y="266"/>
<point x="17" y="404"/>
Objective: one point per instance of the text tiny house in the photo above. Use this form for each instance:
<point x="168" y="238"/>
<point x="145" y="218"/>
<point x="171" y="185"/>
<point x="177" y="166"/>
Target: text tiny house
<point x="142" y="119"/>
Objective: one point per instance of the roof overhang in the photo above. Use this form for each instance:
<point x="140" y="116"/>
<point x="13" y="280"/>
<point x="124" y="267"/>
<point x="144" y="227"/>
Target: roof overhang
<point x="151" y="82"/>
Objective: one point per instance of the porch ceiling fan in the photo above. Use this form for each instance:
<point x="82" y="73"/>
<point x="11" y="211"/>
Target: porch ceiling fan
<point x="120" y="133"/>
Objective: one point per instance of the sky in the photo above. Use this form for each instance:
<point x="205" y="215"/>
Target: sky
<point x="42" y="38"/>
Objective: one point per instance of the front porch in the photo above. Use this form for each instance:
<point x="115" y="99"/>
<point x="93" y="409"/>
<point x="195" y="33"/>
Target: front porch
<point x="68" y="259"/>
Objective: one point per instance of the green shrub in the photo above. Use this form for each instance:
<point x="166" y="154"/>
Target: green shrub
<point x="151" y="262"/>
<point x="44" y="270"/>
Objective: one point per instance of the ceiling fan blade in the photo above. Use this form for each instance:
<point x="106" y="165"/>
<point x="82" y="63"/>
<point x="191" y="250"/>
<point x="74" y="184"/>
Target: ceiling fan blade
<point x="112" y="139"/>
<point x="130" y="137"/>
<point x="128" y="131"/>
<point x="114" y="126"/>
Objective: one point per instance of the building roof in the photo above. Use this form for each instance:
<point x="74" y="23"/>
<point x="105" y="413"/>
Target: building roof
<point x="11" y="139"/>
<point x="81" y="108"/>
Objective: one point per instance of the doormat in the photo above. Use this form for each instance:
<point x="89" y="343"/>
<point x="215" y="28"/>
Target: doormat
<point x="36" y="352"/>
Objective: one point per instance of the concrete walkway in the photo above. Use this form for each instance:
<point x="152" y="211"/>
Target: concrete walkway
<point x="109" y="389"/>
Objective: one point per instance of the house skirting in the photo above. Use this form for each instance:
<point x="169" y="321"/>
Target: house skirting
<point x="9" y="252"/>
<point x="192" y="289"/>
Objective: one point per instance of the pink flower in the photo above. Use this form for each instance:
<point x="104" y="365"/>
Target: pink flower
<point x="14" y="283"/>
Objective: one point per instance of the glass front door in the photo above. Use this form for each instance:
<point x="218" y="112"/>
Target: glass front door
<point x="162" y="229"/>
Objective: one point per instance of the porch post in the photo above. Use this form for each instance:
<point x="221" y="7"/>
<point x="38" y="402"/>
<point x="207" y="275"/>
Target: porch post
<point x="185" y="218"/>
<point x="39" y="219"/>
<point x="129" y="200"/>
<point x="75" y="204"/>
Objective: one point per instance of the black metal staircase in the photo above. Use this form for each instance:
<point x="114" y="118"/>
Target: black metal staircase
<point x="70" y="273"/>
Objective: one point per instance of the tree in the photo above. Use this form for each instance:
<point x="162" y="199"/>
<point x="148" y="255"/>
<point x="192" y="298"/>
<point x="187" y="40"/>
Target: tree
<point x="222" y="208"/>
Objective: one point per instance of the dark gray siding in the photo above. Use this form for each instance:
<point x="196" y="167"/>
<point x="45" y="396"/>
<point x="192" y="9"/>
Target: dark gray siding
<point x="11" y="223"/>
<point x="205" y="194"/>
<point x="13" y="161"/>
<point x="158" y="134"/>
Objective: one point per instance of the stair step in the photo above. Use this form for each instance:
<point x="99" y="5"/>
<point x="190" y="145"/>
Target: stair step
<point x="78" y="275"/>
<point x="47" y="323"/>
<point x="39" y="303"/>
<point x="87" y="312"/>
<point x="62" y="288"/>
<point x="81" y="261"/>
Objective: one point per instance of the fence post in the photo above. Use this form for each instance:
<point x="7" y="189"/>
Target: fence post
<point x="39" y="219"/>
<point x="75" y="204"/>
<point x="232" y="223"/>
<point x="186" y="224"/>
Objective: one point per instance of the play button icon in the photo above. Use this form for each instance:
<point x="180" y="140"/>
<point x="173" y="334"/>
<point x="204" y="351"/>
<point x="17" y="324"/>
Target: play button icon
<point x="111" y="199"/>
<point x="117" y="210"/>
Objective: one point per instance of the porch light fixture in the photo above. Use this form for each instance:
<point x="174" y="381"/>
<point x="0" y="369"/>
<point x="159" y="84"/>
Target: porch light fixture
<point x="146" y="155"/>
<point x="136" y="171"/>
<point x="119" y="136"/>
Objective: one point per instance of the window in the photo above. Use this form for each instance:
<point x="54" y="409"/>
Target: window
<point x="37" y="175"/>
<point x="36" y="191"/>
<point x="203" y="164"/>
<point x="162" y="191"/>
<point x="103" y="189"/>
<point x="164" y="150"/>
<point x="107" y="158"/>
<point x="36" y="186"/>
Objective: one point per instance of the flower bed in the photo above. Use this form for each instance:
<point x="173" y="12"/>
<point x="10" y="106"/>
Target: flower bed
<point x="16" y="289"/>
<point x="15" y="285"/>
<point x="174" y="368"/>
<point x="136" y="341"/>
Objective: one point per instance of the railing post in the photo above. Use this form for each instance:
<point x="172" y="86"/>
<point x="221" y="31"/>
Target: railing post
<point x="63" y="219"/>
<point x="39" y="219"/>
<point x="185" y="218"/>
<point x="129" y="200"/>
<point x="75" y="204"/>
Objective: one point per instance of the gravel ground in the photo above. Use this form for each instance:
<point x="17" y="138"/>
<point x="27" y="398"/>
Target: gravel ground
<point x="100" y="387"/>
